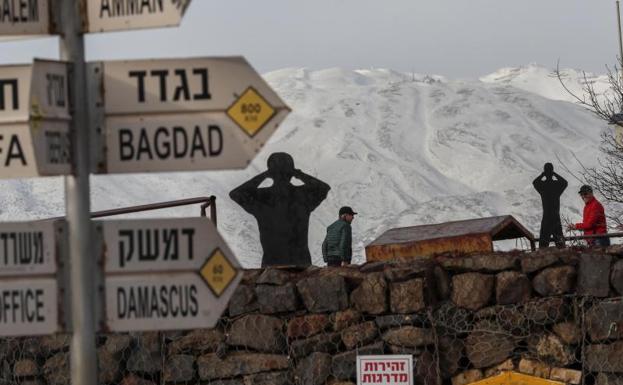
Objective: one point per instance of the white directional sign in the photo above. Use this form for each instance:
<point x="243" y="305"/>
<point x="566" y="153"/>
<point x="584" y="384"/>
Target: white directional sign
<point x="115" y="15"/>
<point x="28" y="248"/>
<point x="34" y="120"/>
<point x="28" y="307"/>
<point x="166" y="274"/>
<point x="181" y="115"/>
<point x="29" y="295"/>
<point x="24" y="17"/>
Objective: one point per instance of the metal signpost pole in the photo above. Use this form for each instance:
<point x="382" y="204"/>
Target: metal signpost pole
<point x="83" y="353"/>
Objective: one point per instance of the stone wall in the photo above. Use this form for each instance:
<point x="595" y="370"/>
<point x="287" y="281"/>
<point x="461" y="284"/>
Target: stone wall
<point x="554" y="314"/>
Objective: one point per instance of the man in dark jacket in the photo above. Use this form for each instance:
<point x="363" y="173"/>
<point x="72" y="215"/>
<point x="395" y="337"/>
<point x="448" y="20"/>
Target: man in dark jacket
<point x="594" y="218"/>
<point x="337" y="246"/>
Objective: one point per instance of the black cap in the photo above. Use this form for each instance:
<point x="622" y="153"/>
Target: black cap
<point x="347" y="210"/>
<point x="585" y="189"/>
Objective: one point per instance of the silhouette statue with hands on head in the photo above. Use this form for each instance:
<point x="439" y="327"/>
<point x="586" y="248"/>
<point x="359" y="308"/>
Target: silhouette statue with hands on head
<point x="550" y="186"/>
<point x="282" y="210"/>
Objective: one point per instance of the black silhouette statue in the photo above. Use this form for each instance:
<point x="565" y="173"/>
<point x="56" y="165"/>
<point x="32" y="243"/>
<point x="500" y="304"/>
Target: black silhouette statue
<point x="282" y="210"/>
<point x="550" y="186"/>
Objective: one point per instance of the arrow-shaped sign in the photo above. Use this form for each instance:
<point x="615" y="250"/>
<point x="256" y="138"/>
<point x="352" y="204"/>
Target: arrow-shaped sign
<point x="117" y="15"/>
<point x="34" y="120"/>
<point x="166" y="274"/>
<point x="24" y="17"/>
<point x="183" y="115"/>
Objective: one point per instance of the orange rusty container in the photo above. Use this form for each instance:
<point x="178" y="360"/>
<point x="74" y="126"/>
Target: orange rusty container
<point x="468" y="236"/>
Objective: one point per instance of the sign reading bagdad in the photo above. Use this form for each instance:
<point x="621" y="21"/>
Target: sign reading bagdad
<point x="34" y="120"/>
<point x="115" y="15"/>
<point x="29" y="300"/>
<point x="185" y="114"/>
<point x="166" y="274"/>
<point x="24" y="17"/>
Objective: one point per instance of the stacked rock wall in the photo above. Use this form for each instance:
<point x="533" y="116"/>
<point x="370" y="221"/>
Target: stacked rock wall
<point x="555" y="314"/>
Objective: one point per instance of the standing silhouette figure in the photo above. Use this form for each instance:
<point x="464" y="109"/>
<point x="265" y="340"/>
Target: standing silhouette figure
<point x="550" y="186"/>
<point x="282" y="210"/>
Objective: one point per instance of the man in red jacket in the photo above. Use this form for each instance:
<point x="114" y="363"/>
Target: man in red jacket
<point x="594" y="218"/>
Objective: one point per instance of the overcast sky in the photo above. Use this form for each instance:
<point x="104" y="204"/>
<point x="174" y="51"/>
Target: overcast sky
<point x="455" y="38"/>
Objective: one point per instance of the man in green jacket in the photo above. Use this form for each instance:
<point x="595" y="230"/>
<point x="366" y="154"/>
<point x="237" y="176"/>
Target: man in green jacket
<point x="337" y="246"/>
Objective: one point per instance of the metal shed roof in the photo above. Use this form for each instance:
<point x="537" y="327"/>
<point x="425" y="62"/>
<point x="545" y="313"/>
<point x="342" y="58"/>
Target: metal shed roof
<point x="499" y="228"/>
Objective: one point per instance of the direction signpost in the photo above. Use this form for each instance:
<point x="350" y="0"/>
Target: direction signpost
<point x="117" y="15"/>
<point x="182" y="114"/>
<point x="146" y="116"/>
<point x="165" y="274"/>
<point x="30" y="303"/>
<point x="34" y="120"/>
<point x="24" y="17"/>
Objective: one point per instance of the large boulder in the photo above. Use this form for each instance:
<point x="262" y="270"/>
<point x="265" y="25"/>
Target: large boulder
<point x="407" y="271"/>
<point x="594" y="275"/>
<point x="451" y="351"/>
<point x="494" y="262"/>
<point x="211" y="367"/>
<point x="260" y="332"/>
<point x="604" y="320"/>
<point x="179" y="368"/>
<point x="409" y="336"/>
<point x="555" y="281"/>
<point x="243" y="301"/>
<point x="117" y="343"/>
<point x="26" y="367"/>
<point x="109" y="366"/>
<point x="56" y="369"/>
<point x="536" y="261"/>
<point x="143" y="361"/>
<point x="551" y="349"/>
<point x="55" y="343"/>
<point x="472" y="290"/>
<point x="308" y="325"/>
<point x="325" y="343"/>
<point x="197" y="341"/>
<point x="546" y="310"/>
<point x="358" y="335"/>
<point x="488" y="344"/>
<point x="604" y="358"/>
<point x="371" y="296"/>
<point x="276" y="299"/>
<point x="569" y="332"/>
<point x="407" y="297"/>
<point x="314" y="369"/>
<point x="345" y="318"/>
<point x="616" y="276"/>
<point x="323" y="294"/>
<point x="426" y="370"/>
<point x="512" y="287"/>
<point x="274" y="276"/>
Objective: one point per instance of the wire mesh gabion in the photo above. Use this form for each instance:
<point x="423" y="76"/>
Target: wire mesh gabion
<point x="462" y="321"/>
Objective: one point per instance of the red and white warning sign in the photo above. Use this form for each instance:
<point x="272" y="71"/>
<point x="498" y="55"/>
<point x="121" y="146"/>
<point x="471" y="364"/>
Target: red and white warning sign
<point x="386" y="369"/>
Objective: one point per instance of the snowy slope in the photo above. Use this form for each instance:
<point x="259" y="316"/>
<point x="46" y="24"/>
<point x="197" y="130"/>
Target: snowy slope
<point x="401" y="149"/>
<point x="543" y="81"/>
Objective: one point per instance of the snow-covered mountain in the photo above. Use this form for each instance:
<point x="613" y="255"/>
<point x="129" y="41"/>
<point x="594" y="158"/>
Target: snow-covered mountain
<point x="402" y="149"/>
